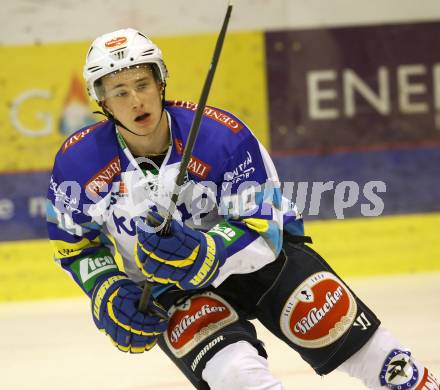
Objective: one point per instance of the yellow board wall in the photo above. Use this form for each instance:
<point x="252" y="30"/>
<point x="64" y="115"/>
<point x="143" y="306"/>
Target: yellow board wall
<point x="354" y="247"/>
<point x="40" y="84"/>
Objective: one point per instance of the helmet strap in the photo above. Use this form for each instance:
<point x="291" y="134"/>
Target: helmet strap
<point x="164" y="85"/>
<point x="110" y="116"/>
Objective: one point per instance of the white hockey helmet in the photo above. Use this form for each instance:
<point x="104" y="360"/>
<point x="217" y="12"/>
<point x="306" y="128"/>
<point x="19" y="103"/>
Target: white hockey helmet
<point x="118" y="50"/>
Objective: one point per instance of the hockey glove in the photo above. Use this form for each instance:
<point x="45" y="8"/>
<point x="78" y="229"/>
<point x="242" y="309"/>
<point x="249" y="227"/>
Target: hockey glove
<point x="186" y="257"/>
<point x="114" y="308"/>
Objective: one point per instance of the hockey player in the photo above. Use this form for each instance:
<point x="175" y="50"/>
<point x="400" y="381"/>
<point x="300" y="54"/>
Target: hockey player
<point x="236" y="250"/>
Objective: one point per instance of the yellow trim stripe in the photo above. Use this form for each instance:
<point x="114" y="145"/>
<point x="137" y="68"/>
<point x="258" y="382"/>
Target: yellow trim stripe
<point x="148" y="275"/>
<point x="112" y="315"/>
<point x="131" y="348"/>
<point x="257" y="224"/>
<point x="98" y="296"/>
<point x="180" y="263"/>
<point x="210" y="277"/>
<point x="206" y="266"/>
<point x="64" y="249"/>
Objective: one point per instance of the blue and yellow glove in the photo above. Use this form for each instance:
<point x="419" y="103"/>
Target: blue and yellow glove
<point x="186" y="257"/>
<point x="114" y="307"/>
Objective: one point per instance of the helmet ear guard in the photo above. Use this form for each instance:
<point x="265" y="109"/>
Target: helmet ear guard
<point x="118" y="50"/>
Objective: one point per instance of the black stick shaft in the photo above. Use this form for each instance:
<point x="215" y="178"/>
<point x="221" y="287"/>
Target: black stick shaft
<point x="201" y="106"/>
<point x="145" y="297"/>
<point x="195" y="126"/>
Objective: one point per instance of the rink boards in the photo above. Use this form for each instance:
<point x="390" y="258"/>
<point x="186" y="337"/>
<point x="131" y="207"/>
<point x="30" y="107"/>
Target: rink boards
<point x="354" y="247"/>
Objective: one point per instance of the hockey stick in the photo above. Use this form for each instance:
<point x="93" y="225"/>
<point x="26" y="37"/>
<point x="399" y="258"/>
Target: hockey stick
<point x="195" y="126"/>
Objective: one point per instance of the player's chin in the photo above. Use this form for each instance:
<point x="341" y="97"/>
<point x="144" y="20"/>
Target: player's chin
<point x="143" y="129"/>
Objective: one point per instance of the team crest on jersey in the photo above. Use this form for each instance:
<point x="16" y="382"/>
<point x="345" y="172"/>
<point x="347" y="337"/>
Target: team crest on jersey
<point x="195" y="320"/>
<point x="399" y="371"/>
<point x="318" y="312"/>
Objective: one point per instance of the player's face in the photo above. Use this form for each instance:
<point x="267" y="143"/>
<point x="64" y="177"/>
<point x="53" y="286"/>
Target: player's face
<point x="133" y="96"/>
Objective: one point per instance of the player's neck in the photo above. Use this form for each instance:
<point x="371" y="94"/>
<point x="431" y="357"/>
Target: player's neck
<point x="149" y="145"/>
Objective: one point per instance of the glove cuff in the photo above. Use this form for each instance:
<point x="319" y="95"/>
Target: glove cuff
<point x="103" y="289"/>
<point x="220" y="249"/>
<point x="212" y="255"/>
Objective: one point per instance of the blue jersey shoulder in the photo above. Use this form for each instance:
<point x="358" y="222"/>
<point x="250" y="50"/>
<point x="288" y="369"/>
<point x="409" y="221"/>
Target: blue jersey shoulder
<point x="87" y="152"/>
<point x="221" y="133"/>
<point x="216" y="124"/>
<point x="82" y="136"/>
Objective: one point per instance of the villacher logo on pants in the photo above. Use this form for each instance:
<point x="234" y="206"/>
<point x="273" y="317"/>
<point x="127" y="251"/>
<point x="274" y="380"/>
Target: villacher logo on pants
<point x="318" y="312"/>
<point x="195" y="320"/>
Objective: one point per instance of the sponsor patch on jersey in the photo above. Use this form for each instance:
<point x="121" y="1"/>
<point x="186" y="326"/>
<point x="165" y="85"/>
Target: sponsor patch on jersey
<point x="62" y="200"/>
<point x="89" y="269"/>
<point x="428" y="382"/>
<point x="243" y="171"/>
<point x="195" y="320"/>
<point x="115" y="42"/>
<point x="74" y="139"/>
<point x="318" y="312"/>
<point x="104" y="176"/>
<point x="398" y="371"/>
<point x="211" y="112"/>
<point x="196" y="166"/>
<point x="65" y="252"/>
<point x="229" y="233"/>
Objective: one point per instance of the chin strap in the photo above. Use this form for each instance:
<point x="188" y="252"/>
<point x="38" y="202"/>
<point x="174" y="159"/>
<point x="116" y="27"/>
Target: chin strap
<point x="110" y="116"/>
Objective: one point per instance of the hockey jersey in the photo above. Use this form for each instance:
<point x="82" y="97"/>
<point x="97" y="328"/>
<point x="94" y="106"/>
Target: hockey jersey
<point x="98" y="191"/>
